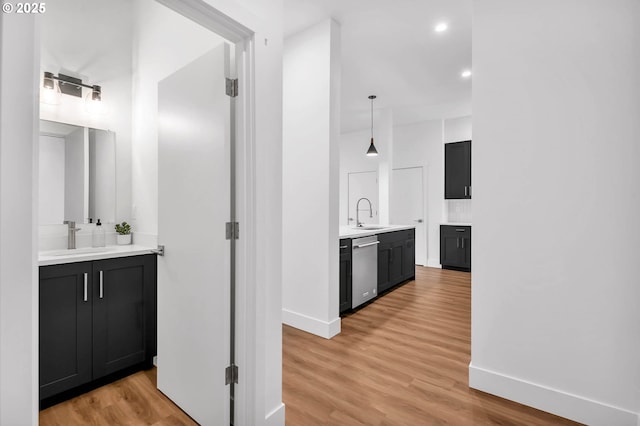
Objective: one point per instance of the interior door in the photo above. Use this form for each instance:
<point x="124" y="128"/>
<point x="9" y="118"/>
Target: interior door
<point x="194" y="205"/>
<point x="407" y="206"/>
<point x="363" y="185"/>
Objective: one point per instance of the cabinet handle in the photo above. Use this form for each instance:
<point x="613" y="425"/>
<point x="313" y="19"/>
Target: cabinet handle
<point x="457" y="242"/>
<point x="460" y="229"/>
<point x="85" y="286"/>
<point x="465" y="190"/>
<point x="101" y="285"/>
<point x="343" y="247"/>
<point x="462" y="242"/>
<point x="367" y="244"/>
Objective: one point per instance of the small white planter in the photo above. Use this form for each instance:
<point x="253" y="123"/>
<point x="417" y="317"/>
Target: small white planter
<point x="123" y="239"/>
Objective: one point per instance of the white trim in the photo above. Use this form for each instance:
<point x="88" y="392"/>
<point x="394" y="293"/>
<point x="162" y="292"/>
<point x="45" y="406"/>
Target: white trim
<point x="554" y="401"/>
<point x="311" y="325"/>
<point x="275" y="417"/>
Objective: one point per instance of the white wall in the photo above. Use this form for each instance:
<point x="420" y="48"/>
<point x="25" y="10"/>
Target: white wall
<point x="310" y="179"/>
<point x="18" y="221"/>
<point x="556" y="101"/>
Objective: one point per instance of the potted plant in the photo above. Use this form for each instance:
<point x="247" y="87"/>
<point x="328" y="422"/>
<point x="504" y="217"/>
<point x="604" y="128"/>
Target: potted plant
<point x="124" y="233"/>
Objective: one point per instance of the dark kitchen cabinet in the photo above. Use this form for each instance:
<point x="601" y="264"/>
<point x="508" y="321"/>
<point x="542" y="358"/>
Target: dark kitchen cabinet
<point x="345" y="275"/>
<point x="96" y="318"/>
<point x="396" y="258"/>
<point x="457" y="170"/>
<point x="455" y="247"/>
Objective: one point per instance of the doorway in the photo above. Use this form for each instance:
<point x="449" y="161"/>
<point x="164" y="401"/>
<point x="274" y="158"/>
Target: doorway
<point x="407" y="205"/>
<point x="195" y="192"/>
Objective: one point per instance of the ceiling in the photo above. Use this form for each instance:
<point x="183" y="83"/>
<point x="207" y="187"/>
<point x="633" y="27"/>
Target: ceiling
<point x="390" y="49"/>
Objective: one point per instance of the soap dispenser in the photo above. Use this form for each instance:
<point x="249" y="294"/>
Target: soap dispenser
<point x="98" y="235"/>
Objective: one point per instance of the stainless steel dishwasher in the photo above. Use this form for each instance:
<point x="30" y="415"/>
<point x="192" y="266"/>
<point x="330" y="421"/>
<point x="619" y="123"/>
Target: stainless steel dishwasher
<point x="364" y="269"/>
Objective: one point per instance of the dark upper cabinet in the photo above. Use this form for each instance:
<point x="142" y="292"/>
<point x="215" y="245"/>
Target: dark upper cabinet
<point x="96" y="318"/>
<point x="65" y="327"/>
<point x="345" y="275"/>
<point x="455" y="247"/>
<point x="457" y="170"/>
<point x="396" y="258"/>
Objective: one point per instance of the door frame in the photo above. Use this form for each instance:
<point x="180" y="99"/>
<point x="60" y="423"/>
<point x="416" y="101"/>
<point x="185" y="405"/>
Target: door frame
<point x="243" y="39"/>
<point x="425" y="211"/>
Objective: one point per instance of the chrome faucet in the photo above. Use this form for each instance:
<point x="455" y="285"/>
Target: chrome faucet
<point x="71" y="234"/>
<point x="358" y="223"/>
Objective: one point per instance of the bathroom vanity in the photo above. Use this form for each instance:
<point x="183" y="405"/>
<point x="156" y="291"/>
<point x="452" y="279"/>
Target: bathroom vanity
<point x="97" y="318"/>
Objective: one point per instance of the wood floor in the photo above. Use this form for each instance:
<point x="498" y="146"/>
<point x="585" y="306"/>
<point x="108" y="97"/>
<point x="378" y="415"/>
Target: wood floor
<point x="402" y="360"/>
<point x="133" y="400"/>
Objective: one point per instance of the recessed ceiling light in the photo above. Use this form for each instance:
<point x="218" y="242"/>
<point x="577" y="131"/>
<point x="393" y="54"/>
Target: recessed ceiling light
<point x="466" y="74"/>
<point x="442" y="26"/>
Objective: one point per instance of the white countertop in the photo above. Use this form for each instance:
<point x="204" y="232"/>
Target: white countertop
<point x="57" y="257"/>
<point x="353" y="232"/>
<point x="456" y="223"/>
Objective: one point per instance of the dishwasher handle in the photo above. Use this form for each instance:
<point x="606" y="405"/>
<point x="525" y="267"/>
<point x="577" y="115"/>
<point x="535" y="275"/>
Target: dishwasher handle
<point x="367" y="244"/>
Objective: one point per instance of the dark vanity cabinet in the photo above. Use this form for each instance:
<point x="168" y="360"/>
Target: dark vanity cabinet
<point x="457" y="170"/>
<point x="345" y="275"/>
<point x="396" y="258"/>
<point x="96" y="318"/>
<point x="455" y="247"/>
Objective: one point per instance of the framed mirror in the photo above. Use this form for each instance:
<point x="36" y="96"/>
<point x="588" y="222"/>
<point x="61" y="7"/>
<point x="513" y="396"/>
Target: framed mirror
<point x="76" y="174"/>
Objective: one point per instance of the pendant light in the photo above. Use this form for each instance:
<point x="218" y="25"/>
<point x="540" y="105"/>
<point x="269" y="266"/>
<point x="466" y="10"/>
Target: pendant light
<point x="372" y="151"/>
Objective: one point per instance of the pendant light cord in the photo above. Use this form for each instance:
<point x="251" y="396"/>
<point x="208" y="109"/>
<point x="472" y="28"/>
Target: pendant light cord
<point x="372" y="118"/>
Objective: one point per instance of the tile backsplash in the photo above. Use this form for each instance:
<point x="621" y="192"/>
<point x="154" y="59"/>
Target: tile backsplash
<point x="459" y="211"/>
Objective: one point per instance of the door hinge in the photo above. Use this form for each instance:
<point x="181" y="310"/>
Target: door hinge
<point x="233" y="230"/>
<point x="232" y="87"/>
<point x="231" y="374"/>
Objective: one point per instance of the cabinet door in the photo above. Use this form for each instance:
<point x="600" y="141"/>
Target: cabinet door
<point x="65" y="327"/>
<point x="124" y="313"/>
<point x="449" y="250"/>
<point x="457" y="170"/>
<point x="384" y="278"/>
<point x="345" y="275"/>
<point x="396" y="263"/>
<point x="465" y="252"/>
<point x="409" y="260"/>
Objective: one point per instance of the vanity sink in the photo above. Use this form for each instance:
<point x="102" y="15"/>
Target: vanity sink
<point x="71" y="252"/>
<point x="369" y="228"/>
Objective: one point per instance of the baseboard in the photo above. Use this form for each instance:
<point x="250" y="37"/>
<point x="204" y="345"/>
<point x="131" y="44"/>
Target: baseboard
<point x="434" y="263"/>
<point x="311" y="325"/>
<point x="275" y="417"/>
<point x="554" y="401"/>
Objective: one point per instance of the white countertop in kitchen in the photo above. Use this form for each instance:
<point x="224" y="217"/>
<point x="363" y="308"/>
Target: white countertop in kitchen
<point x="456" y="223"/>
<point x="57" y="257"/>
<point x="353" y="232"/>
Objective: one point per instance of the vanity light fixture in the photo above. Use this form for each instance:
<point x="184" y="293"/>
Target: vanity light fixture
<point x="70" y="86"/>
<point x="372" y="151"/>
<point x="465" y="74"/>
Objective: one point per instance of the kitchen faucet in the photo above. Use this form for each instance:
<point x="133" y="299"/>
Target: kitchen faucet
<point x="71" y="234"/>
<point x="358" y="223"/>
